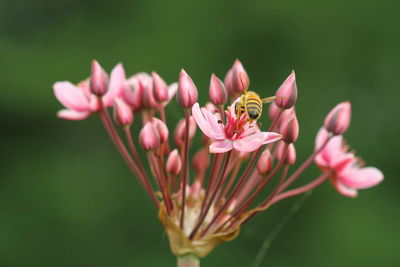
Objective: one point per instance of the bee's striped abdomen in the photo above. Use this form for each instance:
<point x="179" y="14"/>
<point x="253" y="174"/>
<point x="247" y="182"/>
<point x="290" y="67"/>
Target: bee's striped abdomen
<point x="253" y="105"/>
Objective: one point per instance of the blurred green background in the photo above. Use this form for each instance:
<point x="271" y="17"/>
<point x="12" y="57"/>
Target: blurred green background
<point x="66" y="197"/>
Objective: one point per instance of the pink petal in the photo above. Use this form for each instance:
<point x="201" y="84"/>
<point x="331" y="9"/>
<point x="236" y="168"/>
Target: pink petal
<point x="361" y="178"/>
<point x="320" y="161"/>
<point x="254" y="141"/>
<point x="212" y="120"/>
<point x="344" y="190"/>
<point x="73" y="115"/>
<point x="333" y="149"/>
<point x="203" y="123"/>
<point x="116" y="85"/>
<point x="71" y="96"/>
<point x="322" y="135"/>
<point x="250" y="128"/>
<point x="221" y="146"/>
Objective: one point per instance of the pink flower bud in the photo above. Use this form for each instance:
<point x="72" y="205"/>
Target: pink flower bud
<point x="338" y="120"/>
<point x="228" y="82"/>
<point x="201" y="160"/>
<point x="179" y="135"/>
<point x="148" y="100"/>
<point x="98" y="79"/>
<point x="290" y="128"/>
<point x="287" y="92"/>
<point x="133" y="94"/>
<point x="186" y="95"/>
<point x="149" y="138"/>
<point x="244" y="156"/>
<point x="160" y="88"/>
<point x="217" y="91"/>
<point x="122" y="113"/>
<point x="162" y="129"/>
<point x="239" y="78"/>
<point x="273" y="111"/>
<point x="195" y="189"/>
<point x="174" y="163"/>
<point x="290" y="157"/>
<point x="264" y="163"/>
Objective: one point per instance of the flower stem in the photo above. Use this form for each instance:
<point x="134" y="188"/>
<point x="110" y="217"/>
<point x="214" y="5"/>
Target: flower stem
<point x="208" y="206"/>
<point x="188" y="261"/>
<point x="304" y="166"/>
<point x="277" y="229"/>
<point x="294" y="192"/>
<point x="105" y="118"/>
<point x="235" y="191"/>
<point x="185" y="173"/>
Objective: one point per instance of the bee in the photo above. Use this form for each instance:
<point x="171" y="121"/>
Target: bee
<point x="251" y="103"/>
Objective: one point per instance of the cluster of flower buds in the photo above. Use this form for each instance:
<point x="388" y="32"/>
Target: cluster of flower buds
<point x="238" y="162"/>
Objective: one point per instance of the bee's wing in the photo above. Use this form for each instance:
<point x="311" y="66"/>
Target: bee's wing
<point x="266" y="100"/>
<point x="270" y="99"/>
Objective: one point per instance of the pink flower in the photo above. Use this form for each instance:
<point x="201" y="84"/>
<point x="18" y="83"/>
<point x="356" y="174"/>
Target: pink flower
<point x="237" y="133"/>
<point x="77" y="99"/>
<point x="344" y="167"/>
<point x="80" y="102"/>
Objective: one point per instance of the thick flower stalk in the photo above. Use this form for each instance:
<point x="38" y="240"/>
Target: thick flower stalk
<point x="205" y="204"/>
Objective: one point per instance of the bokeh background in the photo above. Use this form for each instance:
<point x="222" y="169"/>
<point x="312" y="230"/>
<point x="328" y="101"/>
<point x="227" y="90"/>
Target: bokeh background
<point x="66" y="197"/>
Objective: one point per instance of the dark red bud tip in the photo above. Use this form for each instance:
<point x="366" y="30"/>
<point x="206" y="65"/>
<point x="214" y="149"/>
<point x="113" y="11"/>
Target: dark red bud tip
<point x="217" y="92"/>
<point x="338" y="120"/>
<point x="122" y="113"/>
<point x="287" y="92"/>
<point x="160" y="88"/>
<point x="98" y="79"/>
<point x="186" y="95"/>
<point x="290" y="128"/>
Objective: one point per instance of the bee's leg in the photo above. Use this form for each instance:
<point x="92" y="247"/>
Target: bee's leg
<point x="238" y="109"/>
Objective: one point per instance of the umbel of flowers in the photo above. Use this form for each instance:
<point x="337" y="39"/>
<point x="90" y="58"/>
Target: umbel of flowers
<point x="203" y="201"/>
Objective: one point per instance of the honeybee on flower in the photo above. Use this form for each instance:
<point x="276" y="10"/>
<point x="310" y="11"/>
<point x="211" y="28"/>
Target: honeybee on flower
<point x="203" y="206"/>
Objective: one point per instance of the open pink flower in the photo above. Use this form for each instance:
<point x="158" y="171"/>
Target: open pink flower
<point x="80" y="102"/>
<point x="345" y="169"/>
<point x="237" y="133"/>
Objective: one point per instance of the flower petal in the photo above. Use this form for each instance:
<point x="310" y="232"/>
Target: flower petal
<point x="116" y="85"/>
<point x="360" y="178"/>
<point x="71" y="96"/>
<point x="212" y="120"/>
<point x="221" y="146"/>
<point x="254" y="141"/>
<point x="322" y="135"/>
<point x="73" y="115"/>
<point x="333" y="150"/>
<point x="203" y="123"/>
<point x="344" y="190"/>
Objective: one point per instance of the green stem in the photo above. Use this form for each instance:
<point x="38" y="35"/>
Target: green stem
<point x="277" y="229"/>
<point x="188" y="261"/>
